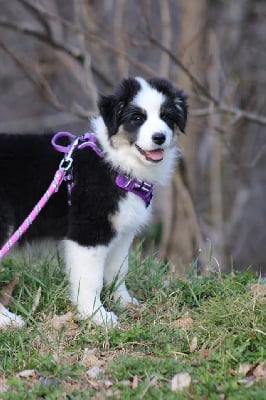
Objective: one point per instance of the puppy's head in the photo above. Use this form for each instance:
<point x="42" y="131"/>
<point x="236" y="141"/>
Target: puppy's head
<point x="143" y="115"/>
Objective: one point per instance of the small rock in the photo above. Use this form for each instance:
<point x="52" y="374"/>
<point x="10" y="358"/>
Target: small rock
<point x="180" y="381"/>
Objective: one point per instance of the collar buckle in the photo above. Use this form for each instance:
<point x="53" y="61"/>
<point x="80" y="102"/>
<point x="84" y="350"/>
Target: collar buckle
<point x="140" y="188"/>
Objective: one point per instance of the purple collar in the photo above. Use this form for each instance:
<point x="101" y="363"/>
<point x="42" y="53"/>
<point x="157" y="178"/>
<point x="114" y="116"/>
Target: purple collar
<point x="140" y="188"/>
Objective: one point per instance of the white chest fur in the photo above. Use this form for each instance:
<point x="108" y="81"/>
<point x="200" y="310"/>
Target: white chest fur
<point x="132" y="215"/>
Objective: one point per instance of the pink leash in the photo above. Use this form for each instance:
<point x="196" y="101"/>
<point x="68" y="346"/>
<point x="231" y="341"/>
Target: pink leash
<point x="53" y="188"/>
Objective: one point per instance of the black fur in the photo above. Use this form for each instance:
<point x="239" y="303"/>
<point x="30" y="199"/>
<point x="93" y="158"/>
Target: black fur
<point x="94" y="200"/>
<point x="178" y="113"/>
<point x="112" y="106"/>
<point x="27" y="164"/>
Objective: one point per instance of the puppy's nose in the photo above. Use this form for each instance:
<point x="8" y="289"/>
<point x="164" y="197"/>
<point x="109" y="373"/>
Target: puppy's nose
<point x="158" y="138"/>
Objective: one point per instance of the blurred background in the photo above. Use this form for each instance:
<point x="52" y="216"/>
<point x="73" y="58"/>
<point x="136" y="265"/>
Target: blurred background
<point x="56" y="55"/>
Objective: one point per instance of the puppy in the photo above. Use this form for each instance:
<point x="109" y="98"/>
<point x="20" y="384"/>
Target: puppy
<point x="111" y="189"/>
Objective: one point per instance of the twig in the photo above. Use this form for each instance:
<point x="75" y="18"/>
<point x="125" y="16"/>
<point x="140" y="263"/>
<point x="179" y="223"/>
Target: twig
<point x="80" y="15"/>
<point x="216" y="103"/>
<point x="166" y="36"/>
<point x="41" y="83"/>
<point x="91" y="37"/>
<point x="193" y="79"/>
<point x="237" y="112"/>
<point x="38" y="15"/>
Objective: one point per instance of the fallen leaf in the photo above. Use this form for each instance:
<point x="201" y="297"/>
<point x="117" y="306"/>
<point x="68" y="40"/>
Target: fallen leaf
<point x="183" y="322"/>
<point x="243" y="369"/>
<point x="36" y="300"/>
<point x="252" y="373"/>
<point x="89" y="358"/>
<point x="258" y="290"/>
<point x="64" y="321"/>
<point x="232" y="372"/>
<point x="260" y="371"/>
<point x="180" y="381"/>
<point x="193" y="344"/>
<point x="107" y="383"/>
<point x="27" y="373"/>
<point x="7" y="291"/>
<point x="135" y="382"/>
<point x="3" y="385"/>
<point x="204" y="353"/>
<point x="58" y="321"/>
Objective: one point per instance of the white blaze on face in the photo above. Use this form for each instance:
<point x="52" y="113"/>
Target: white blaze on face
<point x="150" y="101"/>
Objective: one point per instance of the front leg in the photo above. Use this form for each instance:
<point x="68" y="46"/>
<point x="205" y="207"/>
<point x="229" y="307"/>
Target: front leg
<point x="116" y="268"/>
<point x="85" y="266"/>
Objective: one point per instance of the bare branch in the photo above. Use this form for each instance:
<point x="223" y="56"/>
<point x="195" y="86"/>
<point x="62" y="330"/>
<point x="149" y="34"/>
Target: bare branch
<point x="80" y="14"/>
<point x="122" y="63"/>
<point x="38" y="16"/>
<point x="27" y="30"/>
<point x="238" y="113"/>
<point x="91" y="37"/>
<point x="166" y="35"/>
<point x="216" y="104"/>
<point x="178" y="62"/>
<point x="38" y="80"/>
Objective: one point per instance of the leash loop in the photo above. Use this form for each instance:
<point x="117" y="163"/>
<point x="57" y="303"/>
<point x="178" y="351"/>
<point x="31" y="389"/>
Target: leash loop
<point x="60" y="147"/>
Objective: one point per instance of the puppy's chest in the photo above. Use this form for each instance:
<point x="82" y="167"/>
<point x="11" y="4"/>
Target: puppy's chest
<point x="132" y="214"/>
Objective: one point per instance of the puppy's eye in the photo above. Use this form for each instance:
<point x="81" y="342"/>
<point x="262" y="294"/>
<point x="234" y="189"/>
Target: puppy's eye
<point x="138" y="118"/>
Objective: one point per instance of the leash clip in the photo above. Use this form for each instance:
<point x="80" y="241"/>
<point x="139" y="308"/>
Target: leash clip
<point x="66" y="163"/>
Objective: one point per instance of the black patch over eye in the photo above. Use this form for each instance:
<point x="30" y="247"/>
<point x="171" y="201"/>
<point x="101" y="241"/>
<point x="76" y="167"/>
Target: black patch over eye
<point x="132" y="118"/>
<point x="168" y="117"/>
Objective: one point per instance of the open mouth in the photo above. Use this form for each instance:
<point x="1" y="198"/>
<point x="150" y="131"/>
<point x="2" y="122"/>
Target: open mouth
<point x="151" y="155"/>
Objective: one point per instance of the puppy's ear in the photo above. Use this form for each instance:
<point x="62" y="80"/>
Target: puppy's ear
<point x="111" y="107"/>
<point x="110" y="110"/>
<point x="182" y="110"/>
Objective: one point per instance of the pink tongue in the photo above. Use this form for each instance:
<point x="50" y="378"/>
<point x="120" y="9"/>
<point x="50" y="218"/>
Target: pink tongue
<point x="155" y="155"/>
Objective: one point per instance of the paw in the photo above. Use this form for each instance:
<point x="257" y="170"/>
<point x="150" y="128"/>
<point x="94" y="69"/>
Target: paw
<point x="124" y="299"/>
<point x="100" y="316"/>
<point x="7" y="319"/>
<point x="105" y="318"/>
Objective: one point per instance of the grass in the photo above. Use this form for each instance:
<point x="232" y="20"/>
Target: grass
<point x="212" y="327"/>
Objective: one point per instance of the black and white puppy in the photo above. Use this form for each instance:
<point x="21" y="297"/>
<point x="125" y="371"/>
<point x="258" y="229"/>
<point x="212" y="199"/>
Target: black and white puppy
<point x="137" y="132"/>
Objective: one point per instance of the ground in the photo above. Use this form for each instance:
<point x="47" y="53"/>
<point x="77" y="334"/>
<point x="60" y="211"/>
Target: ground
<point x="203" y="337"/>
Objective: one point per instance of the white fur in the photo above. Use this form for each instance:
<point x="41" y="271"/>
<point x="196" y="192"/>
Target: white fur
<point x="7" y="318"/>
